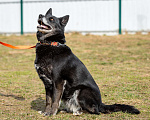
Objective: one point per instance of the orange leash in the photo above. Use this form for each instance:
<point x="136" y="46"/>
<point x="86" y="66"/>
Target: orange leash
<point x="17" y="47"/>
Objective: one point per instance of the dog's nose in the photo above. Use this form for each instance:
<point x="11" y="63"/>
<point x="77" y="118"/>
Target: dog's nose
<point x="40" y="16"/>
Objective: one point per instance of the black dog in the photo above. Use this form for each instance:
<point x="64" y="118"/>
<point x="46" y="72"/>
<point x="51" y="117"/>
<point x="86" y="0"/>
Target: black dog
<point x="65" y="77"/>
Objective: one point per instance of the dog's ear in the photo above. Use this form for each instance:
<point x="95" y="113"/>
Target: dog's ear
<point x="49" y="12"/>
<point x="64" y="20"/>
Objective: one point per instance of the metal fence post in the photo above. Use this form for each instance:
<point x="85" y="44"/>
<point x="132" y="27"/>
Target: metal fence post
<point x="120" y="32"/>
<point x="21" y="14"/>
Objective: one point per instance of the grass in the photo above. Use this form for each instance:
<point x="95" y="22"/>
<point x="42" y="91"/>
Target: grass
<point x="120" y="66"/>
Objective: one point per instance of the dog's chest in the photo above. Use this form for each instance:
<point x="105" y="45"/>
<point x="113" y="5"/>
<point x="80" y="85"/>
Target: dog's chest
<point x="44" y="65"/>
<point x="43" y="62"/>
<point x="48" y="58"/>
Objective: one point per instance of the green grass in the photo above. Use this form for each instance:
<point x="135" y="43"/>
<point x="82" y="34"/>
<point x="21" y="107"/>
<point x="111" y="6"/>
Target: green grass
<point x="120" y="66"/>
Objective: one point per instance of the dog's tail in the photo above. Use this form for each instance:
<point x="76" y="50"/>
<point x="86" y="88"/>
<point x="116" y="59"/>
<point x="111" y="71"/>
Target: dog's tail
<point x="118" y="107"/>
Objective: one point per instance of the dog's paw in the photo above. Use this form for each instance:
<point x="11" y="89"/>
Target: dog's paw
<point x="40" y="112"/>
<point x="77" y="113"/>
<point x="47" y="114"/>
<point x="44" y="113"/>
<point x="63" y="111"/>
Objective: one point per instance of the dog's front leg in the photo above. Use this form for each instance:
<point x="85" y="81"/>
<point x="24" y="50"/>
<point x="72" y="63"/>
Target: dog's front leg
<point x="48" y="88"/>
<point x="49" y="92"/>
<point x="57" y="95"/>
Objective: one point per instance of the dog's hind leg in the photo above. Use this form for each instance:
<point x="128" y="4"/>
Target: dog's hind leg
<point x="72" y="104"/>
<point x="88" y="102"/>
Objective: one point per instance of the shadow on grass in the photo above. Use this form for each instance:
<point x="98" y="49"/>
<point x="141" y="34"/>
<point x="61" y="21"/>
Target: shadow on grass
<point x="38" y="104"/>
<point x="14" y="96"/>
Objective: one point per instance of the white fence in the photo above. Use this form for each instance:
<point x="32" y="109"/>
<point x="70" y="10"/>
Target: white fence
<point x="100" y="16"/>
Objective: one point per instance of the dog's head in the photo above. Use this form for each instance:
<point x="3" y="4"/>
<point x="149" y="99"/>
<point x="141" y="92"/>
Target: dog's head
<point x="51" y="28"/>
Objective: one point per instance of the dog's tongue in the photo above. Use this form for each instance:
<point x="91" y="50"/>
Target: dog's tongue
<point x="43" y="26"/>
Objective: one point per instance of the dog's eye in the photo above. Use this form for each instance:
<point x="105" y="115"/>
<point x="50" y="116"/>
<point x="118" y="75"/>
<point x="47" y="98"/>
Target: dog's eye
<point x="51" y="19"/>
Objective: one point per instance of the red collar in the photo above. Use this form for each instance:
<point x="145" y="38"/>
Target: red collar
<point x="51" y="43"/>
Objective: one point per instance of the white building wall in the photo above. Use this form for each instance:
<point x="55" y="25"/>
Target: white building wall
<point x="94" y="16"/>
<point x="136" y="15"/>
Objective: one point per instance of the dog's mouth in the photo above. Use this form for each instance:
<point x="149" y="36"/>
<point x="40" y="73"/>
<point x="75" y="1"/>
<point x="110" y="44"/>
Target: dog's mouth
<point x="43" y="26"/>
